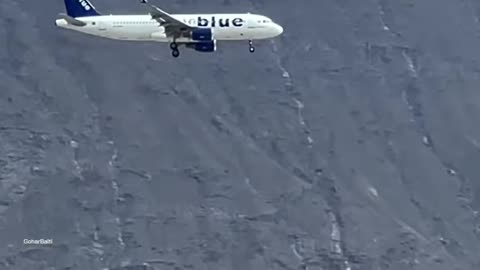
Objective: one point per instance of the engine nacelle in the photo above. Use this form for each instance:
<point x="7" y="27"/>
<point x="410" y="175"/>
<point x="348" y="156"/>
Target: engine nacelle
<point x="202" y="34"/>
<point x="203" y="46"/>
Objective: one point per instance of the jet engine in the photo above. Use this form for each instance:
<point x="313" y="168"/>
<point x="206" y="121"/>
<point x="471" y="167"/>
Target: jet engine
<point x="202" y="34"/>
<point x="203" y="46"/>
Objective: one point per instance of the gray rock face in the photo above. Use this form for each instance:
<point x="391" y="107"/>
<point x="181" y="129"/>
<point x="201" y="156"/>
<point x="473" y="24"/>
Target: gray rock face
<point x="351" y="142"/>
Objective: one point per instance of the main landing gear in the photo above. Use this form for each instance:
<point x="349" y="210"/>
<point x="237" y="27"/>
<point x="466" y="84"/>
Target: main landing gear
<point x="250" y="46"/>
<point x="175" y="51"/>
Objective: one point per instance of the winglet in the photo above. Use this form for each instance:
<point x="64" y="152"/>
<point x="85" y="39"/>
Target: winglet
<point x="157" y="13"/>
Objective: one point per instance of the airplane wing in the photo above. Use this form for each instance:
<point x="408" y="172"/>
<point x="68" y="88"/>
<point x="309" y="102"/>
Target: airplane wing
<point x="173" y="27"/>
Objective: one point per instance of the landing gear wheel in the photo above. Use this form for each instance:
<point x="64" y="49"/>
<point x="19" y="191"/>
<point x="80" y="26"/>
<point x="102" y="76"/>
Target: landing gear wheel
<point x="173" y="46"/>
<point x="175" y="53"/>
<point x="250" y="45"/>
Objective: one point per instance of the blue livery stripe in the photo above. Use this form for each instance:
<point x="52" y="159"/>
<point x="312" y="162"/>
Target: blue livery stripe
<point x="80" y="8"/>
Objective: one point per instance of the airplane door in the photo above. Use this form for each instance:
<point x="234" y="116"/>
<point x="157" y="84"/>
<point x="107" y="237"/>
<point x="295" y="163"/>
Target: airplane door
<point x="250" y="24"/>
<point x="101" y="26"/>
<point x="250" y="21"/>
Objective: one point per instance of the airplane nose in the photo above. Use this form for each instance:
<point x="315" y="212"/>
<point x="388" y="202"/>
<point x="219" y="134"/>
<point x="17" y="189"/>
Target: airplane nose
<point x="279" y="29"/>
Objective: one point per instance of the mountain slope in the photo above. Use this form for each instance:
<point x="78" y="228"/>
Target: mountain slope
<point x="348" y="143"/>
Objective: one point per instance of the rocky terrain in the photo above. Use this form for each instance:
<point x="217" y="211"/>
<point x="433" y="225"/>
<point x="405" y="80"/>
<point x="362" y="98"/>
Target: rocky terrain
<point x="351" y="142"/>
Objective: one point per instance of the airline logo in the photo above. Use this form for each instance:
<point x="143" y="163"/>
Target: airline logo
<point x="84" y="4"/>
<point x="215" y="22"/>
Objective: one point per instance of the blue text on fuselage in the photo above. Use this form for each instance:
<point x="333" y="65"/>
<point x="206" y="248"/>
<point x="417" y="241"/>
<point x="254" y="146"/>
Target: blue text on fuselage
<point x="215" y="22"/>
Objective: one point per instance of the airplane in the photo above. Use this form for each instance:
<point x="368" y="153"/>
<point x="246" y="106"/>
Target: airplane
<point x="195" y="31"/>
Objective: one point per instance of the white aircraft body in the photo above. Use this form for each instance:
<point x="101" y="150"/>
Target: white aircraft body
<point x="196" y="31"/>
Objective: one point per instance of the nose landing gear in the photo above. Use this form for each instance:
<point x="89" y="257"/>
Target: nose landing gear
<point x="251" y="48"/>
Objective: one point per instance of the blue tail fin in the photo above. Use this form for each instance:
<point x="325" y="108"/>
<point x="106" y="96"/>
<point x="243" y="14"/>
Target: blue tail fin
<point x="80" y="8"/>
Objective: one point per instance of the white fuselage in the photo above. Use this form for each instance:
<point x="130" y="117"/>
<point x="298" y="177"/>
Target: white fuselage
<point x="144" y="28"/>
